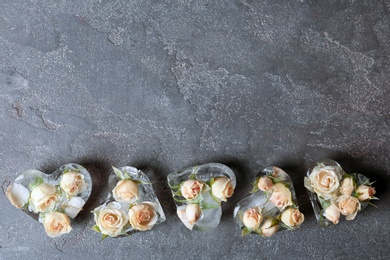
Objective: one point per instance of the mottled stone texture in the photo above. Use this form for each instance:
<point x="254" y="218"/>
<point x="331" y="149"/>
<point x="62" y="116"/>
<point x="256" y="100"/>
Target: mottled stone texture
<point x="163" y="85"/>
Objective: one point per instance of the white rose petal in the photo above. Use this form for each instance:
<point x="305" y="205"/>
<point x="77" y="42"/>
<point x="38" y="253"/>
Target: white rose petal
<point x="74" y="206"/>
<point x="17" y="194"/>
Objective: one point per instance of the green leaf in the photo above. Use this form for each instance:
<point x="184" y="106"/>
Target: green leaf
<point x="126" y="174"/>
<point x="104" y="237"/>
<point x="180" y="200"/>
<point x="255" y="186"/>
<point x="96" y="228"/>
<point x="178" y="193"/>
<point x="208" y="206"/>
<point x="324" y="203"/>
<point x="140" y="182"/>
<point x="258" y="231"/>
<point x="118" y="173"/>
<point x="246" y="231"/>
<point x="35" y="183"/>
<point x="212" y="180"/>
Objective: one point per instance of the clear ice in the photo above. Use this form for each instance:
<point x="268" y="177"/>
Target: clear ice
<point x="211" y="208"/>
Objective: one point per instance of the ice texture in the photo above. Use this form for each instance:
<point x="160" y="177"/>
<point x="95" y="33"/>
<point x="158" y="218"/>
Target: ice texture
<point x="316" y="201"/>
<point x="30" y="176"/>
<point x="211" y="208"/>
<point x="260" y="198"/>
<point x="145" y="193"/>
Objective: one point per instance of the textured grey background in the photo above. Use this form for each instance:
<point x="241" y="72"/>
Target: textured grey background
<point x="163" y="85"/>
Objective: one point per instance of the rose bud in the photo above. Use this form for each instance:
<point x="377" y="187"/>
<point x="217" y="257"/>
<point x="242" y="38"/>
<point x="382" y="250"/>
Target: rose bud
<point x="292" y="217"/>
<point x="347" y="187"/>
<point x="191" y="188"/>
<point x="281" y="196"/>
<point x="365" y="192"/>
<point x="193" y="212"/>
<point x="44" y="198"/>
<point x="72" y="183"/>
<point x="125" y="191"/>
<point x="348" y="206"/>
<point x="265" y="183"/>
<point x="143" y="216"/>
<point x="222" y="188"/>
<point x="56" y="224"/>
<point x="190" y="214"/>
<point x="17" y="194"/>
<point x="332" y="213"/>
<point x="269" y="227"/>
<point x="252" y="218"/>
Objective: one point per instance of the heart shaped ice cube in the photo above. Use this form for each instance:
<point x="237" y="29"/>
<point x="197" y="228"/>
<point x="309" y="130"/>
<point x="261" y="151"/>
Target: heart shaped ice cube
<point x="198" y="192"/>
<point x="271" y="207"/>
<point x="131" y="206"/>
<point x="52" y="198"/>
<point x="333" y="192"/>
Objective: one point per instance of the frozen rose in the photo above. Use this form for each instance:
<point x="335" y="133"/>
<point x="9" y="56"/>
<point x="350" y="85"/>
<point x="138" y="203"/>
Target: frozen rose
<point x="44" y="198"/>
<point x="365" y="192"/>
<point x="17" y="194"/>
<point x="325" y="181"/>
<point x="265" y="183"/>
<point x="269" y="227"/>
<point x="222" y="188"/>
<point x="332" y="213"/>
<point x="72" y="183"/>
<point x="280" y="196"/>
<point x="56" y="224"/>
<point x="193" y="212"/>
<point x="111" y="219"/>
<point x="252" y="218"/>
<point x="142" y="216"/>
<point x="348" y="206"/>
<point x="347" y="186"/>
<point x="292" y="217"/>
<point x="125" y="191"/>
<point x="190" y="189"/>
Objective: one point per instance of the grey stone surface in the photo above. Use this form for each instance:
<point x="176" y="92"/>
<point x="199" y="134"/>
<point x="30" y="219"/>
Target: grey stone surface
<point x="164" y="85"/>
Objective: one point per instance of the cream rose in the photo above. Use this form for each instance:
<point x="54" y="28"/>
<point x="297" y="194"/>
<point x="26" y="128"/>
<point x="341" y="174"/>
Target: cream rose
<point x="325" y="181"/>
<point x="332" y="213"/>
<point x="193" y="212"/>
<point x="252" y="218"/>
<point x="269" y="227"/>
<point x="189" y="214"/>
<point x="17" y="194"/>
<point x="44" y="198"/>
<point x="72" y="183"/>
<point x="292" y="217"/>
<point x="280" y="196"/>
<point x="190" y="189"/>
<point x="265" y="183"/>
<point x="125" y="191"/>
<point x="56" y="224"/>
<point x="222" y="188"/>
<point x="348" y="206"/>
<point x="347" y="186"/>
<point x="365" y="192"/>
<point x="142" y="216"/>
<point x="110" y="219"/>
